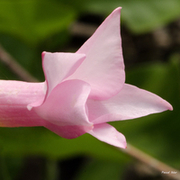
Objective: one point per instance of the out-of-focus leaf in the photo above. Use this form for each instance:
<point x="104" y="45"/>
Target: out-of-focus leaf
<point x="105" y="170"/>
<point x="34" y="20"/>
<point x="39" y="141"/>
<point x="9" y="167"/>
<point x="28" y="57"/>
<point x="139" y="15"/>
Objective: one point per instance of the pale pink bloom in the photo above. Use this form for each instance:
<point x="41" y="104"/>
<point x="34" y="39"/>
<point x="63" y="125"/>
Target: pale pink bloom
<point x="82" y="92"/>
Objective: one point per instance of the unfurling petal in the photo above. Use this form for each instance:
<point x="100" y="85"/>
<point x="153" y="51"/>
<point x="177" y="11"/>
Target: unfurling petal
<point x="14" y="98"/>
<point x="130" y="103"/>
<point x="66" y="104"/>
<point x="107" y="133"/>
<point x="103" y="67"/>
<point x="58" y="66"/>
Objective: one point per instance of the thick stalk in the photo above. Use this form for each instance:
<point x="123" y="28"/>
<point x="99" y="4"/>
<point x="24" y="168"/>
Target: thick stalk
<point x="14" y="98"/>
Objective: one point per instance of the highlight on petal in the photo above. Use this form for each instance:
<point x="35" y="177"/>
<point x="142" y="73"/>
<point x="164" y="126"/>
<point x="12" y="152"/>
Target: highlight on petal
<point x="14" y="98"/>
<point x="103" y="67"/>
<point x="66" y="104"/>
<point x="58" y="66"/>
<point x="132" y="102"/>
<point x="107" y="133"/>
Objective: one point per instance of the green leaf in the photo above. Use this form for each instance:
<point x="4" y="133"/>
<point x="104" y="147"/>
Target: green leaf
<point x="40" y="141"/>
<point x="25" y="55"/>
<point x="139" y="15"/>
<point x="9" y="167"/>
<point x="33" y="20"/>
<point x="144" y="16"/>
<point x="99" y="169"/>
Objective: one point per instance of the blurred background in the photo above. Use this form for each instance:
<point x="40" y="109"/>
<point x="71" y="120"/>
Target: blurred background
<point x="151" y="45"/>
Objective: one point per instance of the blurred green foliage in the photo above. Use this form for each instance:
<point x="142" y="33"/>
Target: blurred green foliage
<point x="34" y="20"/>
<point x="139" y="15"/>
<point x="27" y="27"/>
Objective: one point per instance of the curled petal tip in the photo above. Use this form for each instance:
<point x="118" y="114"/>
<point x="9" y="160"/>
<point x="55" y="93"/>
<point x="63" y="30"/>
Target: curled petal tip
<point x="43" y="54"/>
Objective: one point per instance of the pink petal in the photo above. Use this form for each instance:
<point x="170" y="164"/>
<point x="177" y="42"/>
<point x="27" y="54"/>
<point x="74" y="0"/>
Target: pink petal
<point x="130" y="103"/>
<point x="103" y="67"/>
<point x="68" y="132"/>
<point x="65" y="106"/>
<point x="14" y="98"/>
<point x="58" y="66"/>
<point x="107" y="133"/>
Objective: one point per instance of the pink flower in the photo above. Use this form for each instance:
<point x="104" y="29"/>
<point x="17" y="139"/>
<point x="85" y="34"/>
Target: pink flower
<point x="82" y="92"/>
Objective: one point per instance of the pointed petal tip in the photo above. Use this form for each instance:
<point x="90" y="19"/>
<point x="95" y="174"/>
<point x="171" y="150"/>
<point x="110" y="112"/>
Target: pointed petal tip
<point x="122" y="145"/>
<point x="170" y="107"/>
<point x="167" y="105"/>
<point x="118" y="10"/>
<point x="125" y="145"/>
<point x="107" y="41"/>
